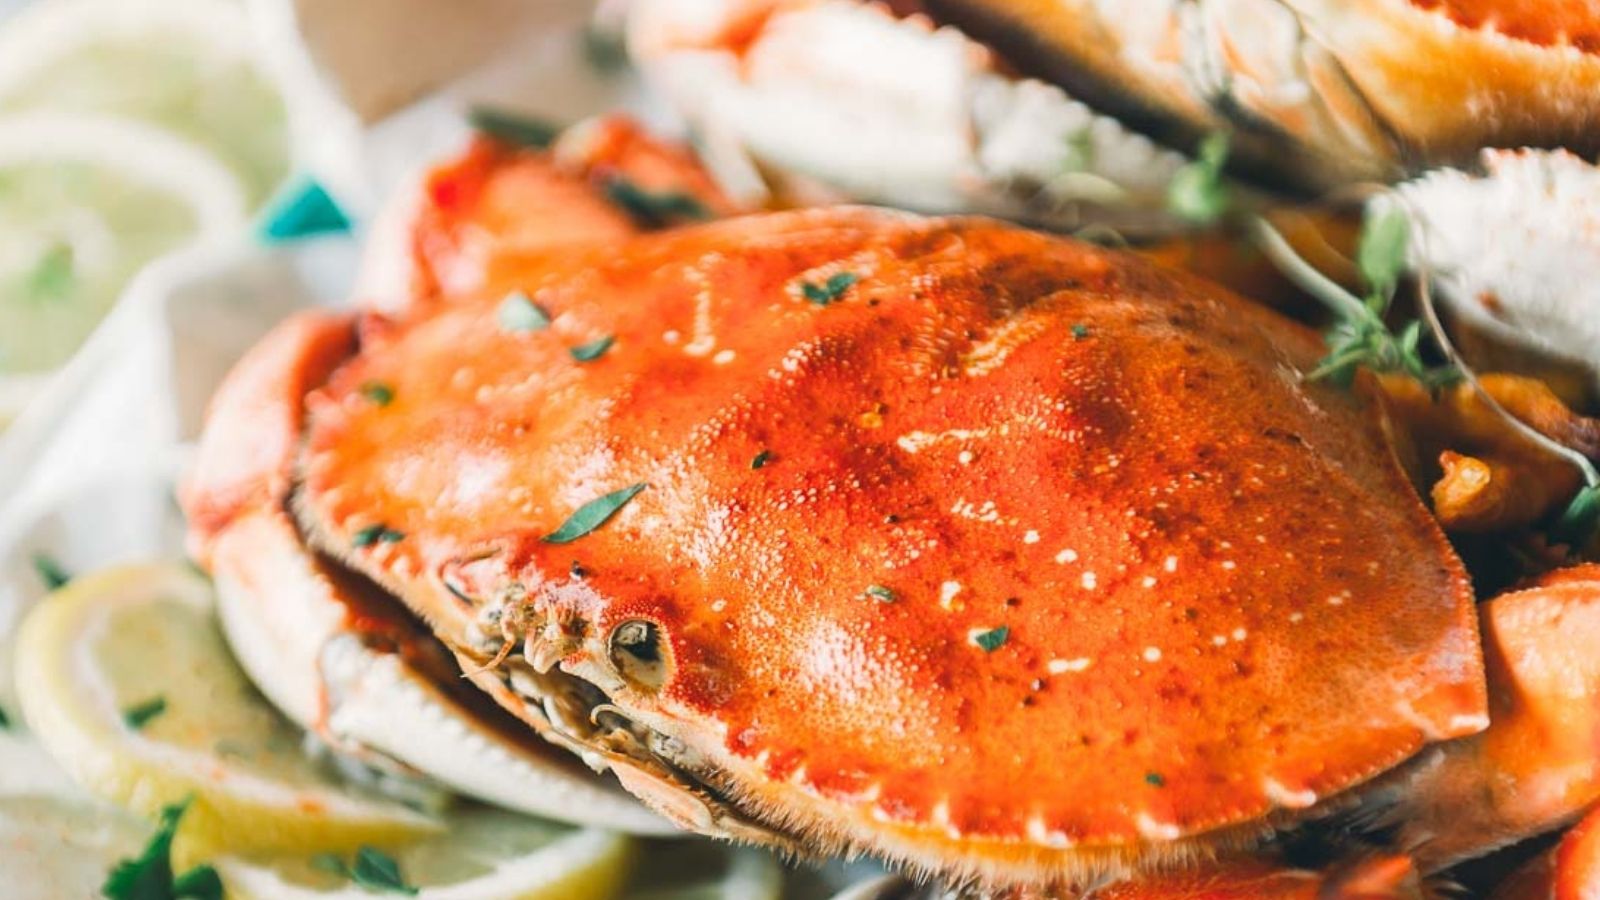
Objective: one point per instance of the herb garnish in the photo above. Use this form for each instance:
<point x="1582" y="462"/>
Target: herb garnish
<point x="378" y="392"/>
<point x="514" y="129"/>
<point x="149" y="876"/>
<point x="372" y="534"/>
<point x="593" y="350"/>
<point x="518" y="313"/>
<point x="593" y="514"/>
<point x="373" y="870"/>
<point x="1079" y="331"/>
<point x="992" y="639"/>
<point x="54" y="275"/>
<point x="5" y="720"/>
<point x="140" y="714"/>
<point x="880" y="593"/>
<point x="1198" y="193"/>
<point x="830" y="290"/>
<point x="50" y="572"/>
<point x="761" y="459"/>
<point x="1155" y="779"/>
<point x="654" y="209"/>
<point x="604" y="49"/>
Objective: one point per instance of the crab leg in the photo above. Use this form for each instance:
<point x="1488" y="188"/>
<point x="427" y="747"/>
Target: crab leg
<point x="1568" y="871"/>
<point x="1537" y="767"/>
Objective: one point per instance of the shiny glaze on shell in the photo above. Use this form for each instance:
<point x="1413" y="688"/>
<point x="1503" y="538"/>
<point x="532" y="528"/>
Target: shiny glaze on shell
<point x="1222" y="597"/>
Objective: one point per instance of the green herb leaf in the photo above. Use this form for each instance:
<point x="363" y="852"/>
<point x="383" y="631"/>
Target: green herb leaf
<point x="378" y="871"/>
<point x="512" y="128"/>
<point x="1155" y="779"/>
<point x="140" y="714"/>
<point x="655" y="209"/>
<point x="5" y="720"/>
<point x="55" y="274"/>
<point x="1580" y="519"/>
<point x="378" y="392"/>
<point x="604" y="50"/>
<point x="518" y="313"/>
<point x="829" y="291"/>
<point x="1079" y="156"/>
<point x="372" y="534"/>
<point x="50" y="572"/>
<point x="148" y="876"/>
<point x="1381" y="255"/>
<point x="593" y="514"/>
<point x="880" y="593"/>
<point x="992" y="639"/>
<point x="1079" y="331"/>
<point x="1198" y="192"/>
<point x="373" y="870"/>
<point x="761" y="459"/>
<point x="593" y="350"/>
<point x="200" y="883"/>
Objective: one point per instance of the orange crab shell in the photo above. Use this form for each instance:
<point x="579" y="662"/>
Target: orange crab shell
<point x="1050" y="550"/>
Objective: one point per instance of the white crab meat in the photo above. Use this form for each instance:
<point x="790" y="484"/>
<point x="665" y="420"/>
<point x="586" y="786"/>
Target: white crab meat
<point x="293" y="636"/>
<point x="847" y="101"/>
<point x="1515" y="250"/>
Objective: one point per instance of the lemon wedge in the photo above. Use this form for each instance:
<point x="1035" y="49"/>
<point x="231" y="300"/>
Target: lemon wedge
<point x="189" y="67"/>
<point x="84" y="203"/>
<point x="485" y="854"/>
<point x="126" y="682"/>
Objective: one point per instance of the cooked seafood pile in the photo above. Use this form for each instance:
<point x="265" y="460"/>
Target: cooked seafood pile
<point x="1030" y="567"/>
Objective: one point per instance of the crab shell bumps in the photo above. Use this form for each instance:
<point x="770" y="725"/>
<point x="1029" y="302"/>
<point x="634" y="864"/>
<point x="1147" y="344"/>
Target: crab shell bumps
<point x="997" y="555"/>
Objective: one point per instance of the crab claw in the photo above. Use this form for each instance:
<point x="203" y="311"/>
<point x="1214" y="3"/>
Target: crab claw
<point x="436" y="241"/>
<point x="339" y="661"/>
<point x="836" y="99"/>
<point x="1537" y="766"/>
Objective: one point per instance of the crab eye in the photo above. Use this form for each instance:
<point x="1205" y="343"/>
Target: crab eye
<point x="636" y="653"/>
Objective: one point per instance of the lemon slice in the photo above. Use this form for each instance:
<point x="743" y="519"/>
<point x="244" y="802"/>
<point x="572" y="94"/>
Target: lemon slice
<point x="485" y="855"/>
<point x="187" y="66"/>
<point x="84" y="202"/>
<point x="125" y="680"/>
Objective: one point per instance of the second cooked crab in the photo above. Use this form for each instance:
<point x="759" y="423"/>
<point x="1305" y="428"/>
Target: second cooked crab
<point x="1002" y="557"/>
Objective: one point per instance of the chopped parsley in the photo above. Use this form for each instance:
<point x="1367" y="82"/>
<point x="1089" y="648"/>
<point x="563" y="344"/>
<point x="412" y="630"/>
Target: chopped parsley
<point x="372" y="534"/>
<point x="593" y="514"/>
<point x="761" y="459"/>
<point x="372" y="870"/>
<point x="50" y="572"/>
<point x="593" y="350"/>
<point x="54" y="276"/>
<point x="149" y="875"/>
<point x="655" y="209"/>
<point x="880" y="593"/>
<point x="512" y="128"/>
<point x="991" y="639"/>
<point x="604" y="49"/>
<point x="1154" y="779"/>
<point x="139" y="715"/>
<point x="1198" y="194"/>
<point x="1079" y="331"/>
<point x="829" y="291"/>
<point x="378" y="392"/>
<point x="5" y="720"/>
<point x="519" y="313"/>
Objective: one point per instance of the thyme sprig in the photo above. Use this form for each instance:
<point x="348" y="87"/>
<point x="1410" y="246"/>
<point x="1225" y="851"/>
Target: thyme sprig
<point x="1361" y="337"/>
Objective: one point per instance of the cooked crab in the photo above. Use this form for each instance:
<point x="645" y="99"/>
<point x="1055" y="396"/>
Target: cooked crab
<point x="958" y="97"/>
<point x="999" y="556"/>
